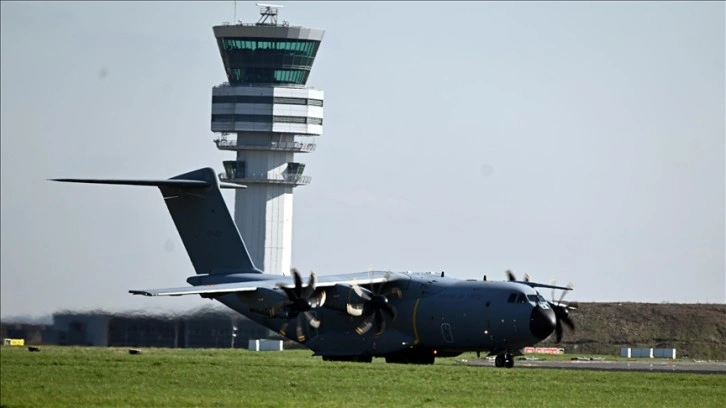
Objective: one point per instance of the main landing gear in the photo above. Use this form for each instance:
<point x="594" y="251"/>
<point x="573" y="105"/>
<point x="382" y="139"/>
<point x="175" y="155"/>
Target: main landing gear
<point x="504" y="360"/>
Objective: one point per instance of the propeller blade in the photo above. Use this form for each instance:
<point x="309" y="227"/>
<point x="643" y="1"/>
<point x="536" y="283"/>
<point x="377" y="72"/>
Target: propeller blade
<point x="365" y="326"/>
<point x="299" y="331"/>
<point x="510" y="276"/>
<point x="390" y="310"/>
<point x="573" y="306"/>
<point x="562" y="296"/>
<point x="313" y="279"/>
<point x="283" y="329"/>
<point x="558" y="331"/>
<point x="310" y="288"/>
<point x="356" y="288"/>
<point x="394" y="291"/>
<point x="275" y="309"/>
<point x="289" y="292"/>
<point x="380" y="323"/>
<point x="298" y="282"/>
<point x="359" y="291"/>
<point x="354" y="310"/>
<point x="568" y="322"/>
<point x="312" y="321"/>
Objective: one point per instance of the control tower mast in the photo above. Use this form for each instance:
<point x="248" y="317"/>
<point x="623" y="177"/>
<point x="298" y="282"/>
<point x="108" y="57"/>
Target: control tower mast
<point x="266" y="114"/>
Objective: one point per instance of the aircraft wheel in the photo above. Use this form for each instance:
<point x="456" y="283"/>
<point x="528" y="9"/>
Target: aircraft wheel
<point x="508" y="361"/>
<point x="499" y="360"/>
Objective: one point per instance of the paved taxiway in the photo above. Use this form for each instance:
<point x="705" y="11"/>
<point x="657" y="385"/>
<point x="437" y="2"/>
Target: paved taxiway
<point x="675" y="366"/>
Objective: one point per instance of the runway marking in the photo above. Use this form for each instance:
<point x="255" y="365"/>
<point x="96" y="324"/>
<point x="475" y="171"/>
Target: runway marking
<point x="616" y="365"/>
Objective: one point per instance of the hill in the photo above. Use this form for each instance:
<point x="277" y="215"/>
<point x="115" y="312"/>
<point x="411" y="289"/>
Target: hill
<point x="695" y="330"/>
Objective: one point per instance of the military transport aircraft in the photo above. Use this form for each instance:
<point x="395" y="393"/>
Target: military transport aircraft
<point x="405" y="317"/>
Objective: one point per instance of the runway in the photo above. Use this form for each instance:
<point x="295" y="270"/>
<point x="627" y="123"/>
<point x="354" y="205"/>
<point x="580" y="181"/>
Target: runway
<point x="664" y="366"/>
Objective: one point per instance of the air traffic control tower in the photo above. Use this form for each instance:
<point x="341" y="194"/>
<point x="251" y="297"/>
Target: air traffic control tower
<point x="266" y="114"/>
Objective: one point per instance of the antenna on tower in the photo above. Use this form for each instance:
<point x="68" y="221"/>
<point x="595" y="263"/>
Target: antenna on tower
<point x="268" y="11"/>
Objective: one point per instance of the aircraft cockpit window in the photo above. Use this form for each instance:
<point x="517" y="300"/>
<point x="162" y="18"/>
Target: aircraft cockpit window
<point x="512" y="298"/>
<point x="522" y="298"/>
<point x="533" y="298"/>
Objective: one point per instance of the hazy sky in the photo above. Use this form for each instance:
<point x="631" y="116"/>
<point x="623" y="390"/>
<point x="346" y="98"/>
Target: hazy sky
<point x="576" y="141"/>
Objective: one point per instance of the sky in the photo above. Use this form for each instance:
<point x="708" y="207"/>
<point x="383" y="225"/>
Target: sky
<point x="576" y="141"/>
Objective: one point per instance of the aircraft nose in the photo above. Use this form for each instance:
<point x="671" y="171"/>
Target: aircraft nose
<point x="542" y="322"/>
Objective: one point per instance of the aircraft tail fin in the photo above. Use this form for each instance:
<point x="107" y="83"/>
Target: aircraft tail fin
<point x="202" y="219"/>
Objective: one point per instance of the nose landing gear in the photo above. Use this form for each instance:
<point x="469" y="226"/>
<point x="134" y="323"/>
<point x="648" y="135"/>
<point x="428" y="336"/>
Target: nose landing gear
<point x="504" y="360"/>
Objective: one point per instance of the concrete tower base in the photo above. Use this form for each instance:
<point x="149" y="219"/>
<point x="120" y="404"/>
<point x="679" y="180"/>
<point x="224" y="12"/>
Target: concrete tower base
<point x="263" y="214"/>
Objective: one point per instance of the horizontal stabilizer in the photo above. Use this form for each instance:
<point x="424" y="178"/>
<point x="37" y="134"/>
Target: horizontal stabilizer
<point x="197" y="290"/>
<point x="153" y="183"/>
<point x="201" y="217"/>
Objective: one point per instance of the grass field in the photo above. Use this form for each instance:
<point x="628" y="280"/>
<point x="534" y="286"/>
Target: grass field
<point x="108" y="377"/>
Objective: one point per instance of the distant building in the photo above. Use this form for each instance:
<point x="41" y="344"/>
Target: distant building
<point x="201" y="329"/>
<point x="32" y="333"/>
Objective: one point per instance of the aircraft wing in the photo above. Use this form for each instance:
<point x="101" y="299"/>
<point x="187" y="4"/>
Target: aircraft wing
<point x="199" y="290"/>
<point x="362" y="278"/>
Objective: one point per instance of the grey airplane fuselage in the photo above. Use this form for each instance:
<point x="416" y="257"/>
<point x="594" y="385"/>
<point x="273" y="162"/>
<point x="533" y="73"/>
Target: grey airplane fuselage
<point x="447" y="316"/>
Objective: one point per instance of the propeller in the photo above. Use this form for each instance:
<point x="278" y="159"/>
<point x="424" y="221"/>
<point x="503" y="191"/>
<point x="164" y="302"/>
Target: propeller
<point x="562" y="313"/>
<point x="512" y="278"/>
<point x="374" y="305"/>
<point x="561" y="310"/>
<point x="300" y="299"/>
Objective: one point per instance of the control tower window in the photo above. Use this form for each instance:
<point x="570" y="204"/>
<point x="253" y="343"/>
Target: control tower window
<point x="301" y="47"/>
<point x="268" y="60"/>
<point x="288" y="119"/>
<point x="235" y="169"/>
<point x="268" y="76"/>
<point x="298" y="101"/>
<point x="270" y="53"/>
<point x="241" y="99"/>
<point x="228" y="117"/>
<point x="295" y="169"/>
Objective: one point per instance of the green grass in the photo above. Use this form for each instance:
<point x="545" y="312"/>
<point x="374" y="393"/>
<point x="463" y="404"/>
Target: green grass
<point x="84" y="376"/>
